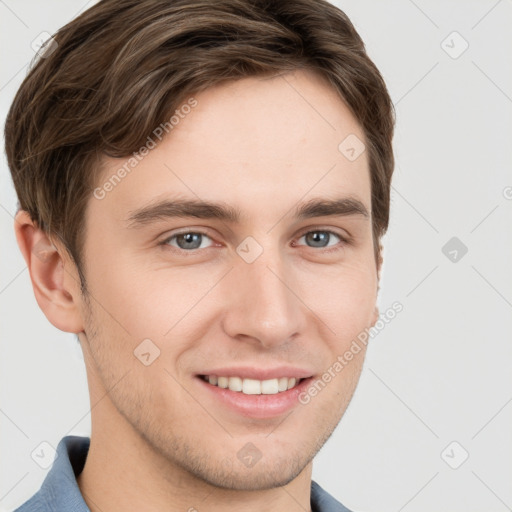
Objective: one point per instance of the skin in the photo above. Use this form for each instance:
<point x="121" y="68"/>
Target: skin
<point x="158" y="442"/>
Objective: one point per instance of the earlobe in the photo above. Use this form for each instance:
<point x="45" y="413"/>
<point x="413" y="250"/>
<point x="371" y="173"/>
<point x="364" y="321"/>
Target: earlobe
<point x="47" y="266"/>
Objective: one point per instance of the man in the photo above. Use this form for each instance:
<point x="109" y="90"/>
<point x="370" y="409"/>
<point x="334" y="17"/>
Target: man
<point x="203" y="188"/>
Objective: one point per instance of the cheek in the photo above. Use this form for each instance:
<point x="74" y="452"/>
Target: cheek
<point x="344" y="298"/>
<point x="133" y="298"/>
<point x="172" y="307"/>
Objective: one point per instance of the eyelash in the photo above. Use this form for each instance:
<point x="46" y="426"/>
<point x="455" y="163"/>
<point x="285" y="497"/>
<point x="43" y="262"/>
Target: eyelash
<point x="343" y="241"/>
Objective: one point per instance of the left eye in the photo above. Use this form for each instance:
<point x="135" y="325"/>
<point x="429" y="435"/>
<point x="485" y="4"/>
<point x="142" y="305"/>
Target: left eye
<point x="319" y="238"/>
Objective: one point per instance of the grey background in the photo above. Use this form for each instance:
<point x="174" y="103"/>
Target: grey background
<point x="440" y="371"/>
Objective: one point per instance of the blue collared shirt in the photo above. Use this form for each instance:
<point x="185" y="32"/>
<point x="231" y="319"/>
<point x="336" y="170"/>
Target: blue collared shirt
<point x="60" y="492"/>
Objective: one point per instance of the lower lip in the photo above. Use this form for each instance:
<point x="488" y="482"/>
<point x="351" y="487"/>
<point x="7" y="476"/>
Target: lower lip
<point x="256" y="406"/>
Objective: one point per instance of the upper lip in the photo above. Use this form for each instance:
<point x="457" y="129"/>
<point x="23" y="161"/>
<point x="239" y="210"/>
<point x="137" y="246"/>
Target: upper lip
<point x="250" y="372"/>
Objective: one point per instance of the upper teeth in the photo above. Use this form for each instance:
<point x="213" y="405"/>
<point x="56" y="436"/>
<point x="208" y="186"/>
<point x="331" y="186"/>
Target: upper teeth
<point x="253" y="386"/>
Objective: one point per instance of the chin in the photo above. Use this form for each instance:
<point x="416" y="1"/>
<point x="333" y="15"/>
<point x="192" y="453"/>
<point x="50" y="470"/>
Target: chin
<point x="233" y="475"/>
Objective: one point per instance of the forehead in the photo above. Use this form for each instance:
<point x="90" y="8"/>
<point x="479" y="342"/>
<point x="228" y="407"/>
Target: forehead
<point x="256" y="143"/>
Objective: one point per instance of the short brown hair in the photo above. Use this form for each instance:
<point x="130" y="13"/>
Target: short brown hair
<point x="121" y="68"/>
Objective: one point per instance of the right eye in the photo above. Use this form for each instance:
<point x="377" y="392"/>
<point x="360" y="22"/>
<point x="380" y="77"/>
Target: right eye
<point x="186" y="240"/>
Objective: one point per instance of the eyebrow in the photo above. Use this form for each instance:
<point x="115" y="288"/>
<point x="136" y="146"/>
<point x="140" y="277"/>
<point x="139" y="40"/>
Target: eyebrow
<point x="166" y="209"/>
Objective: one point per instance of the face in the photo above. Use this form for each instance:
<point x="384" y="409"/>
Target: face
<point x="263" y="293"/>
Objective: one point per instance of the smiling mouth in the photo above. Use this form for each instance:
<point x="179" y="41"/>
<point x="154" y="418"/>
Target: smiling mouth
<point x="253" y="386"/>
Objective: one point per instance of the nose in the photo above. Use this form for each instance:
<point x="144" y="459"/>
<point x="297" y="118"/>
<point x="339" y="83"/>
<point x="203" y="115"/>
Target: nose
<point x="262" y="305"/>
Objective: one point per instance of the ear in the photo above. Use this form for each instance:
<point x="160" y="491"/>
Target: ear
<point x="53" y="275"/>
<point x="375" y="316"/>
<point x="379" y="262"/>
